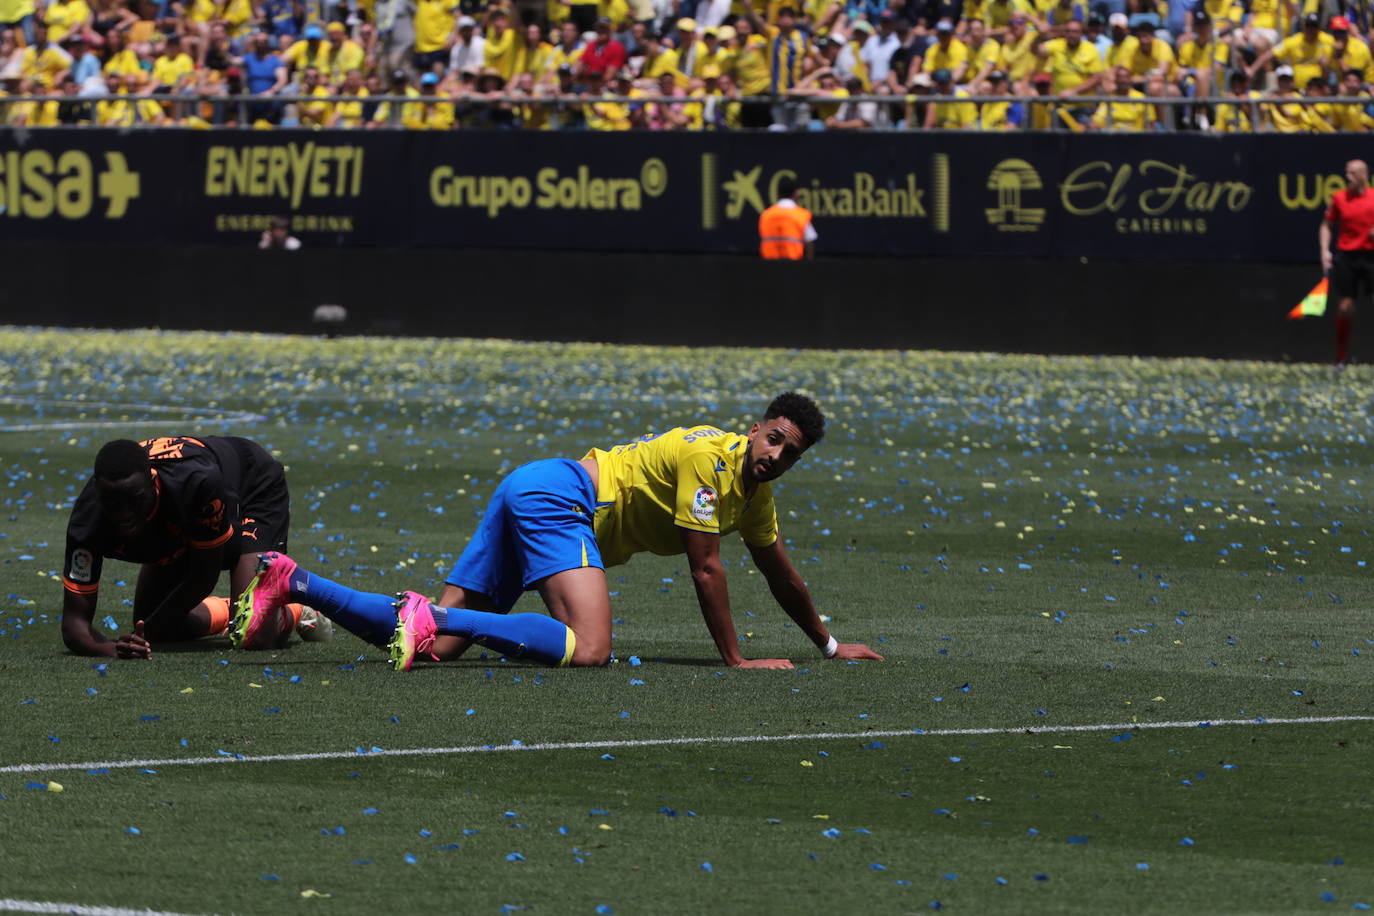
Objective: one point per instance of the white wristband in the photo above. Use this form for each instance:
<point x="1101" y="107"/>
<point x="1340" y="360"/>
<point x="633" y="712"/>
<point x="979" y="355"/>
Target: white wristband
<point x="830" y="648"/>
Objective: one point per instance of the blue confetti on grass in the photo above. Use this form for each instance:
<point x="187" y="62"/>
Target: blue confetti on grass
<point x="707" y="866"/>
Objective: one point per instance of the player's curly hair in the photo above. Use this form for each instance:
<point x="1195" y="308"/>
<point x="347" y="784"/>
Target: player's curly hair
<point x="802" y="411"/>
<point x="119" y="459"/>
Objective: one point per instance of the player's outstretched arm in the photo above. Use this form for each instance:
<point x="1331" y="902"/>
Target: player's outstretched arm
<point x="81" y="637"/>
<point x="703" y="556"/>
<point x="792" y="595"/>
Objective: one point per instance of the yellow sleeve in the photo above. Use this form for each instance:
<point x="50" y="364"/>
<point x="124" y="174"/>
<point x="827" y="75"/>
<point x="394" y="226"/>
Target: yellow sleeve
<point x="759" y="524"/>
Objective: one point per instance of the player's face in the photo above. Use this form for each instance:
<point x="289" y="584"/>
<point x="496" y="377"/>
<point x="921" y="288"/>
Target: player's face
<point x="774" y="446"/>
<point x="127" y="503"/>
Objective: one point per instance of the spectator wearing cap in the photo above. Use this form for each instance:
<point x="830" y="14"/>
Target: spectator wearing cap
<point x="1073" y="65"/>
<point x="536" y="56"/>
<point x="435" y="25"/>
<point x="1004" y="115"/>
<point x="1303" y="52"/>
<point x="1280" y="110"/>
<point x="1347" y="51"/>
<point x="602" y="54"/>
<point x="311" y="51"/>
<point x="467" y="49"/>
<point x="707" y="112"/>
<point x="1202" y="58"/>
<point x="1095" y="32"/>
<point x="1018" y="59"/>
<point x="718" y="52"/>
<point x="691" y="50"/>
<point x="410" y="111"/>
<point x="948" y="54"/>
<point x="343" y="54"/>
<point x="1238" y="115"/>
<point x="1048" y="114"/>
<point x="85" y="63"/>
<point x="1122" y="115"/>
<point x="949" y="108"/>
<point x="985" y="55"/>
<point x="879" y="47"/>
<point x="66" y="17"/>
<point x="436" y="113"/>
<point x="1121" y="41"/>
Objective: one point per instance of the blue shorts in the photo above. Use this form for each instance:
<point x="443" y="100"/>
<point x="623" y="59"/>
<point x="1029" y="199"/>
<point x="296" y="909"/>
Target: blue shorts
<point x="539" y="522"/>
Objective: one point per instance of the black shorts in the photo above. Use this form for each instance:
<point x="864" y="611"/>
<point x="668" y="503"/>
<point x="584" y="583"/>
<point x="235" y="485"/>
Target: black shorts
<point x="1352" y="274"/>
<point x="264" y="505"/>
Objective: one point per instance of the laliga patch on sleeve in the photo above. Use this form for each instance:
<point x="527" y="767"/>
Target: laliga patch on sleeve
<point x="81" y="566"/>
<point x="704" y="504"/>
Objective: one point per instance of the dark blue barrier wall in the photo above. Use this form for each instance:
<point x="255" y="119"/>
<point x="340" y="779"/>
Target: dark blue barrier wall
<point x="1162" y="308"/>
<point x="1146" y="196"/>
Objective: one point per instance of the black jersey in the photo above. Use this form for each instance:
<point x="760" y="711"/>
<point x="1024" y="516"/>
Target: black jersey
<point x="198" y="484"/>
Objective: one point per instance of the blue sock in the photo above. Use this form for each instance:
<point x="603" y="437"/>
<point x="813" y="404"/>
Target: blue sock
<point x="367" y="616"/>
<point x="532" y="636"/>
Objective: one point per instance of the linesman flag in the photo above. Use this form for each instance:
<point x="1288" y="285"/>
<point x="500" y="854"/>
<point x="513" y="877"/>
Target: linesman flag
<point x="1314" y="303"/>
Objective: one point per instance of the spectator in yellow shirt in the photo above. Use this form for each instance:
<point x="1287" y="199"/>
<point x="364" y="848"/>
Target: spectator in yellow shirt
<point x="658" y="57"/>
<point x="44" y="63"/>
<point x="66" y="17"/>
<point x="1237" y="116"/>
<point x="1074" y="67"/>
<point x="314" y="114"/>
<point x="410" y="111"/>
<point x="691" y="50"/>
<point x="985" y="55"/>
<point x="999" y="115"/>
<point x="342" y="54"/>
<point x="434" y="25"/>
<point x="1203" y="57"/>
<point x="502" y="47"/>
<point x="1347" y="52"/>
<point x="350" y="113"/>
<point x="1283" y="114"/>
<point x="1308" y="53"/>
<point x="536" y="55"/>
<point x="311" y="51"/>
<point x="121" y="59"/>
<point x="1019" y="61"/>
<point x="1123" y="116"/>
<point x="946" y="115"/>
<point x="173" y="67"/>
<point x="1144" y="52"/>
<point x="948" y="53"/>
<point x="1352" y="116"/>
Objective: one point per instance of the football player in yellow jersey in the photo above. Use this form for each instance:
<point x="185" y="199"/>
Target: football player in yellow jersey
<point x="554" y="526"/>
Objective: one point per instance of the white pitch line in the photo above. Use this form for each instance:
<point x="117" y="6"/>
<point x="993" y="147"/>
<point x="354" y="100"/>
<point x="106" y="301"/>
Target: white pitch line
<point x="188" y="414"/>
<point x="10" y="905"/>
<point x="661" y="742"/>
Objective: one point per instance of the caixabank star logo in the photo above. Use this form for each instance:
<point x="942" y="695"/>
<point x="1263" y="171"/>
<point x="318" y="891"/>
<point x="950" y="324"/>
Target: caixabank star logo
<point x="1010" y="179"/>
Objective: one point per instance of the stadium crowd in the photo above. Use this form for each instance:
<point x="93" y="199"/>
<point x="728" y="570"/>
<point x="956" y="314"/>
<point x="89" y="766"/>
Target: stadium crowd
<point x="688" y="64"/>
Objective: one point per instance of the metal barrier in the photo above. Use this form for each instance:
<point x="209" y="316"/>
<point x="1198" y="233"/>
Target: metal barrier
<point x="1253" y="107"/>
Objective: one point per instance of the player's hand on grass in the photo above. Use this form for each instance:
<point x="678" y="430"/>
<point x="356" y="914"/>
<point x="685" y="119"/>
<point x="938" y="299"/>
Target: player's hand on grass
<point x="773" y="663"/>
<point x="857" y="651"/>
<point x="133" y="645"/>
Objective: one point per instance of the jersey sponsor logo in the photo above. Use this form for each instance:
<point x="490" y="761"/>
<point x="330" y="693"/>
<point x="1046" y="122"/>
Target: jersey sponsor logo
<point x="81" y="566"/>
<point x="704" y="504"/>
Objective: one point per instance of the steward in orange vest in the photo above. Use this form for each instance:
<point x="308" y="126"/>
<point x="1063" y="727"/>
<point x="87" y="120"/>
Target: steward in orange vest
<point x="785" y="230"/>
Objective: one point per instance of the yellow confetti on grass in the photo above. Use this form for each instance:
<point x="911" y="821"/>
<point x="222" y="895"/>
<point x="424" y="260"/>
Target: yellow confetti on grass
<point x="188" y="690"/>
<point x="807" y="763"/>
<point x="54" y="786"/>
<point x="311" y="892"/>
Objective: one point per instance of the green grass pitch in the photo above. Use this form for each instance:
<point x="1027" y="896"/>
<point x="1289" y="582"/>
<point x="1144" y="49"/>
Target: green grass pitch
<point x="1034" y="543"/>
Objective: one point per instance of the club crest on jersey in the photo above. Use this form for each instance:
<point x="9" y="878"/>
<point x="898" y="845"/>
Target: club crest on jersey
<point x="81" y="566"/>
<point x="704" y="504"/>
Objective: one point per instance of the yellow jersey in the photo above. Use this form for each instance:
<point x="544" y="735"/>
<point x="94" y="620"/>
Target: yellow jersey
<point x="950" y="58"/>
<point x="1071" y="67"/>
<point x="1125" y="115"/>
<point x="169" y="70"/>
<point x="1018" y="57"/>
<point x="685" y="478"/>
<point x="1305" y="57"/>
<point x="434" y="20"/>
<point x="62" y="18"/>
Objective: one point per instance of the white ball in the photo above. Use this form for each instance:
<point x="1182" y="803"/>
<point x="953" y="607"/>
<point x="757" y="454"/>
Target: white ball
<point x="314" y="626"/>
